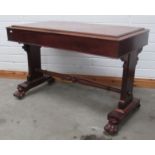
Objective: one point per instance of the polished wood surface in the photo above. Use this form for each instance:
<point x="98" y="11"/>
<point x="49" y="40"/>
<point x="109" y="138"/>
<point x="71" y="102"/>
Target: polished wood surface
<point x="120" y="42"/>
<point x="97" y="39"/>
<point x="82" y="29"/>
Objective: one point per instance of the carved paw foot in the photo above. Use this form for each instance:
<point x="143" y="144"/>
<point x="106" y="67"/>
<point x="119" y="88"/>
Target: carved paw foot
<point x="19" y="94"/>
<point x="111" y="129"/>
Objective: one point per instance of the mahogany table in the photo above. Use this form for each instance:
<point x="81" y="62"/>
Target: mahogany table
<point x="118" y="42"/>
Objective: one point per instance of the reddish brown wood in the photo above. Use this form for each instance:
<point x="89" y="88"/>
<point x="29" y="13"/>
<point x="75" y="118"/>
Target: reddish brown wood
<point x="116" y="117"/>
<point x="29" y="84"/>
<point x="81" y="80"/>
<point x="120" y="42"/>
<point x="81" y="29"/>
<point x="130" y="61"/>
<point x="34" y="78"/>
<point x="111" y="41"/>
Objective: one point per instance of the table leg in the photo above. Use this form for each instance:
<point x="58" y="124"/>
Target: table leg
<point x="127" y="103"/>
<point x="34" y="77"/>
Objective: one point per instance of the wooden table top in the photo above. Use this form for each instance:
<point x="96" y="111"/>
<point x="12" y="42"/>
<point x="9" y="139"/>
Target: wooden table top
<point x="105" y="40"/>
<point x="111" y="32"/>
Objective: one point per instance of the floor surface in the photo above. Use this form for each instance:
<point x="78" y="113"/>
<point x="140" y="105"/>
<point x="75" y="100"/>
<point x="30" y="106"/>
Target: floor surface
<point x="69" y="111"/>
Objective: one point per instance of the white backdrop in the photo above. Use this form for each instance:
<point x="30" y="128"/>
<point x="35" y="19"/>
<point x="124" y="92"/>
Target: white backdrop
<point x="12" y="57"/>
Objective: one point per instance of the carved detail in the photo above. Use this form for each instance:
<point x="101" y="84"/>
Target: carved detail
<point x="127" y="103"/>
<point x="111" y="128"/>
<point x="27" y="85"/>
<point x="81" y="80"/>
<point x="20" y="93"/>
<point x="117" y="116"/>
<point x="26" y="47"/>
<point x="130" y="61"/>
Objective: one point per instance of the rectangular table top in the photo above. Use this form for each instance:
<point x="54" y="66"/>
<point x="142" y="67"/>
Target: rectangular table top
<point x="105" y="40"/>
<point x="82" y="29"/>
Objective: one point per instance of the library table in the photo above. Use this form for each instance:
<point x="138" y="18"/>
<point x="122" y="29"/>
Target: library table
<point x="120" y="42"/>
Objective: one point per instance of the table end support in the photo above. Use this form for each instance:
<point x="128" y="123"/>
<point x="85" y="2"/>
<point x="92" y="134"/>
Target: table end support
<point x="117" y="116"/>
<point x="27" y="85"/>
